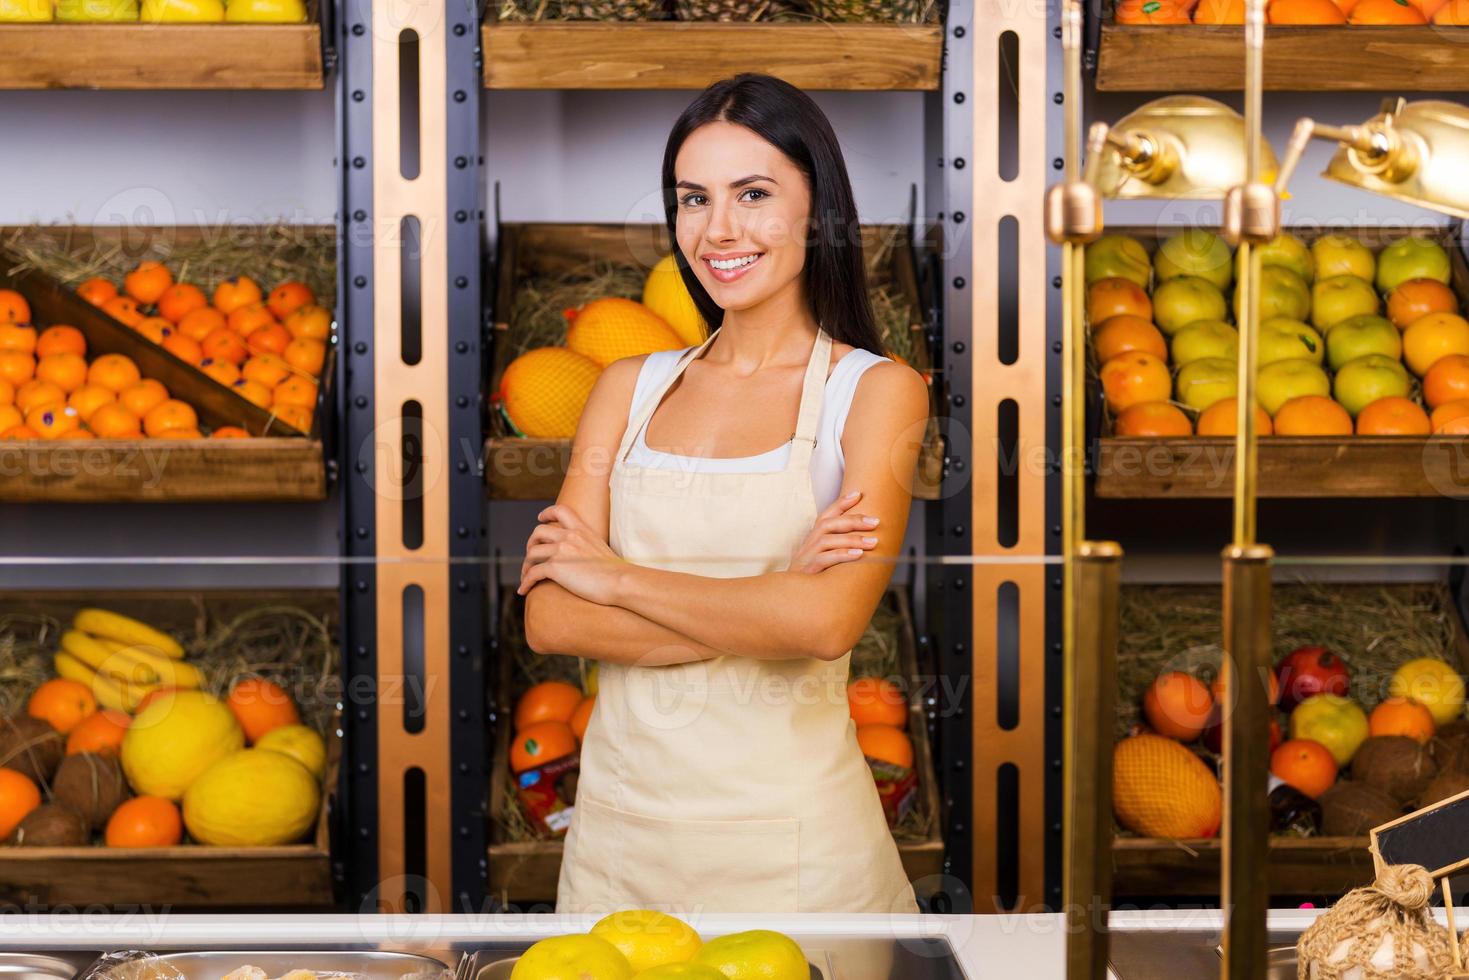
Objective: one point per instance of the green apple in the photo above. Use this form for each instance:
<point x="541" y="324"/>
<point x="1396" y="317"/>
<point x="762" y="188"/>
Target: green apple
<point x="1411" y="258"/>
<point x="96" y="11"/>
<point x="1336" y="722"/>
<point x="1284" y="250"/>
<point x="1338" y="255"/>
<point x="1118" y="257"/>
<point x="1282" y="294"/>
<point x="1201" y="383"/>
<point x="1363" y="380"/>
<point x="265" y="11"/>
<point x="1340" y="297"/>
<point x="1280" y="381"/>
<point x="1358" y="336"/>
<point x="25" y="11"/>
<point x="1195" y="252"/>
<point x="181" y="11"/>
<point x="1204" y="338"/>
<point x="1184" y="300"/>
<point x="1282" y="338"/>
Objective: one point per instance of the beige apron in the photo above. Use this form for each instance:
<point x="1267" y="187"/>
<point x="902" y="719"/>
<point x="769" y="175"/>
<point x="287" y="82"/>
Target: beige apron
<point x="734" y="784"/>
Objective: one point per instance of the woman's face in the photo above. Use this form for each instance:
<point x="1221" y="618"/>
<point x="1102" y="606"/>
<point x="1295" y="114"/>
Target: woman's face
<point x="743" y="215"/>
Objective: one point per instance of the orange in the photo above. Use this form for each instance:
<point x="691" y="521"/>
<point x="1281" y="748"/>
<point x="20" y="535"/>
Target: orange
<point x="183" y="348"/>
<point x="77" y="434"/>
<point x="200" y="323"/>
<point x="66" y="371"/>
<point x="1152" y="420"/>
<point x="123" y="309"/>
<point x="245" y="320"/>
<point x="269" y="339"/>
<point x="1393" y="416"/>
<point x="1107" y="298"/>
<point x="582" y="718"/>
<point x="145" y="821"/>
<point x="10" y="418"/>
<point x="296" y="416"/>
<point x="260" y="705"/>
<point x="886" y="744"/>
<point x="1151" y="12"/>
<point x="1307" y="765"/>
<point x="1455" y="13"/>
<point x="540" y="743"/>
<point x="1399" y="716"/>
<point x="155" y="328"/>
<point x="13" y="307"/>
<point x="231" y="294"/>
<point x="143" y="396"/>
<point x="1312" y="415"/>
<point x="181" y="432"/>
<point x="100" y="733"/>
<point x="222" y="371"/>
<point x="19" y="432"/>
<point x="61" y="703"/>
<point x="229" y="432"/>
<point x="116" y="372"/>
<point x="96" y="290"/>
<point x="115" y="422"/>
<point x="1304" y="12"/>
<point x="60" y="338"/>
<point x="294" y="390"/>
<point x="148" y="282"/>
<point x="7" y="393"/>
<point x="16" y="368"/>
<point x="1417" y="298"/>
<point x="875" y="701"/>
<point x="1447" y="380"/>
<point x="1135" y="377"/>
<point x="547" y="701"/>
<point x="315" y="323"/>
<point x="268" y="369"/>
<point x="1220" y="12"/>
<point x="1433" y="336"/>
<point x="1386" y="12"/>
<point x="88" y="398"/>
<point x="289" y="297"/>
<point x="307" y="356"/>
<point x="1220" y="418"/>
<point x="18" y="336"/>
<point x="18" y="797"/>
<point x="179" y="300"/>
<point x="1450" y="418"/>
<point x="223" y="344"/>
<point x="171" y="414"/>
<point x="35" y="393"/>
<point x="252" y="391"/>
<point x="1178" y="705"/>
<point x="53" y="421"/>
<point x="1120" y="334"/>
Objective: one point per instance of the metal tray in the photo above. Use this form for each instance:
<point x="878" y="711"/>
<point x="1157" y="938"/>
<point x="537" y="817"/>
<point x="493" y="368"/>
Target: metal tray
<point x="214" y="964"/>
<point x="44" y="966"/>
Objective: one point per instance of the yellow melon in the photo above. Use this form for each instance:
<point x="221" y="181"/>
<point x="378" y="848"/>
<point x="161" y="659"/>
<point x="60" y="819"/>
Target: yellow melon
<point x="665" y="294"/>
<point x="1161" y="789"/>
<point x="298" y="742"/>
<point x="252" y="798"/>
<point x="178" y="736"/>
<point x="543" y="391"/>
<point x="612" y="328"/>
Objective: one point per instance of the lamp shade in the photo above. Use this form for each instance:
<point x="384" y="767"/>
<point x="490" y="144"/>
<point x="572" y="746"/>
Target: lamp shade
<point x="1180" y="146"/>
<point x="1418" y="153"/>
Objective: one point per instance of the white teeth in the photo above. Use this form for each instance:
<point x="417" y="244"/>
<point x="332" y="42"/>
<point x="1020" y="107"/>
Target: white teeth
<point x="727" y="264"/>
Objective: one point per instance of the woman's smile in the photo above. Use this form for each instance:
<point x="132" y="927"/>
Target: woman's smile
<point x="728" y="270"/>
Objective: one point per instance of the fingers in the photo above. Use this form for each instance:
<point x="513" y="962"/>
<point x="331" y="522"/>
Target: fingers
<point x="849" y="522"/>
<point x="562" y="514"/>
<point x="843" y="542"/>
<point x="537" y="573"/>
<point x="842" y="503"/>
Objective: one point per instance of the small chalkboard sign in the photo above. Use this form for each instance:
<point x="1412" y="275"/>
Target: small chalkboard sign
<point x="1436" y="837"/>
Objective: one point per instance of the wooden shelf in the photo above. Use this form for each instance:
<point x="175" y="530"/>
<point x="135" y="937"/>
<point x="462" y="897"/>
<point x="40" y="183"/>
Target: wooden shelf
<point x="691" y="55"/>
<point x="1298" y="866"/>
<point x="1303" y="59"/>
<point x="1294" y="466"/>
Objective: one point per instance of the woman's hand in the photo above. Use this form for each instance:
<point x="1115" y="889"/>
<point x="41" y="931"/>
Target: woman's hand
<point x="565" y="549"/>
<point x="836" y="537"/>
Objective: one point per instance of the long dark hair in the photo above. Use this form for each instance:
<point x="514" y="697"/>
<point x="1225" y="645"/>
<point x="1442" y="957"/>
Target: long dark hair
<point x="787" y="118"/>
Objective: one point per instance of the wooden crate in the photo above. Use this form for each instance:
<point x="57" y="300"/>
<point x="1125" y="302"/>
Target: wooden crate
<point x="519" y="468"/>
<point x="526" y="872"/>
<point x="165" y="56"/>
<point x="187" y="877"/>
<point x="1149" y="866"/>
<point x="1302" y="59"/>
<point x="278" y="464"/>
<point x="1289" y="466"/>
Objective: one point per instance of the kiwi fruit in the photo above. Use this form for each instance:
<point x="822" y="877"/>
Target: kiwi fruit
<point x="1399" y="766"/>
<point x="31" y="746"/>
<point x="90" y="785"/>
<point x="1350" y="809"/>
<point x="51" y="825"/>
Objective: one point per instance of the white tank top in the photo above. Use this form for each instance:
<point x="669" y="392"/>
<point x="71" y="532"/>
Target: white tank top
<point x="828" y="464"/>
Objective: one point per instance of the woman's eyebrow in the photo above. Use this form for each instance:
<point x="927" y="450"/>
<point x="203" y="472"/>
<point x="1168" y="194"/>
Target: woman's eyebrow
<point x="734" y="183"/>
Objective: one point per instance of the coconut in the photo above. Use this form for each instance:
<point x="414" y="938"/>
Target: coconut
<point x="91" y="785"/>
<point x="1450" y="746"/>
<point x="1350" y="809"/>
<point x="1399" y="766"/>
<point x="31" y="746"/>
<point x="51" y="826"/>
<point x="1444" y="785"/>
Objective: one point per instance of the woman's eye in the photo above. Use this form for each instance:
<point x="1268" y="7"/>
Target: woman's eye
<point x="689" y="199"/>
<point x="756" y="190"/>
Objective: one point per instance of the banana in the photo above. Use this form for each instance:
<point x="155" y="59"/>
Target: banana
<point x="115" y="626"/>
<point x="108" y="692"/>
<point x="159" y="668"/>
<point x="96" y="655"/>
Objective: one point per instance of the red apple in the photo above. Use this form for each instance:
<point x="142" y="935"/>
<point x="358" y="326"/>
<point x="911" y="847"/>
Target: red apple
<point x="1308" y="671"/>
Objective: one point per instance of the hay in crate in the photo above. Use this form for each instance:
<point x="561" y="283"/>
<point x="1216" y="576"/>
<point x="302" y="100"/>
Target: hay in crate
<point x="797" y="11"/>
<point x="270" y="254"/>
<point x="1374" y="628"/>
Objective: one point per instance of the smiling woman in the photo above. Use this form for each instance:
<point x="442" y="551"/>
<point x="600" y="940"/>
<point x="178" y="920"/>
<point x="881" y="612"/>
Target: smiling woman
<point x="722" y="583"/>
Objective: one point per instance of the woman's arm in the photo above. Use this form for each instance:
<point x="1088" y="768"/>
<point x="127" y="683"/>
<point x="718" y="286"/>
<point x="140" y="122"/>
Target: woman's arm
<point x="789" y="614"/>
<point x="557" y="621"/>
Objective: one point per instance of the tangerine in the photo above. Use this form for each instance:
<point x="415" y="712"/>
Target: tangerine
<point x="229" y="432"/>
<point x="180" y="432"/>
<point x="16" y="432"/>
<point x="10" y="418"/>
<point x="547" y="701"/>
<point x="1178" y="705"/>
<point x="7" y="393"/>
<point x="148" y="282"/>
<point x="115" y="422"/>
<point x="1135" y="377"/>
<point x="77" y="434"/>
<point x="1455" y="13"/>
<point x="1151" y="12"/>
<point x="222" y="371"/>
<point x="1386" y="12"/>
<point x="18" y="797"/>
<point x="88" y="398"/>
<point x="296" y="416"/>
<point x="16" y="368"/>
<point x="1222" y="418"/>
<point x="231" y="294"/>
<point x="1304" y="12"/>
<point x="1312" y="415"/>
<point x="66" y="371"/>
<point x="289" y="297"/>
<point x="540" y="743"/>
<point x="145" y="821"/>
<point x="260" y="705"/>
<point x="13" y="307"/>
<point x="116" y="372"/>
<point x="123" y="309"/>
<point x="1433" y="336"/>
<point x="199" y="324"/>
<point x="35" y="393"/>
<point x="1416" y="298"/>
<point x="875" y="701"/>
<point x="886" y="744"/>
<point x="294" y="390"/>
<point x="61" y="338"/>
<point x="313" y="322"/>
<point x="245" y="320"/>
<point x="1447" y="380"/>
<point x="18" y="336"/>
<point x="100" y="733"/>
<point x="1399" y="716"/>
<point x="223" y="344"/>
<point x="583" y="717"/>
<point x="1107" y="298"/>
<point x="53" y="421"/>
<point x="155" y="328"/>
<point x="170" y="414"/>
<point x="269" y="339"/>
<point x="306" y="356"/>
<point x="184" y="349"/>
<point x="96" y="290"/>
<point x="1152" y="420"/>
<point x="1393" y="415"/>
<point x="1121" y="334"/>
<point x="252" y="391"/>
<point x="1449" y="418"/>
<point x="1307" y="765"/>
<point x="179" y="300"/>
<point x="268" y="369"/>
<point x="1219" y="13"/>
<point x="61" y="703"/>
<point x="143" y="396"/>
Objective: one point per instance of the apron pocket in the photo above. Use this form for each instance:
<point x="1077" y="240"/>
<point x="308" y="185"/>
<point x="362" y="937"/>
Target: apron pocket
<point x="695" y="865"/>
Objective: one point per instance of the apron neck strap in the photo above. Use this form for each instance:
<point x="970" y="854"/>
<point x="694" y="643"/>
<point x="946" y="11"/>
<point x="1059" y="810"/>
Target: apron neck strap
<point x="650" y="402"/>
